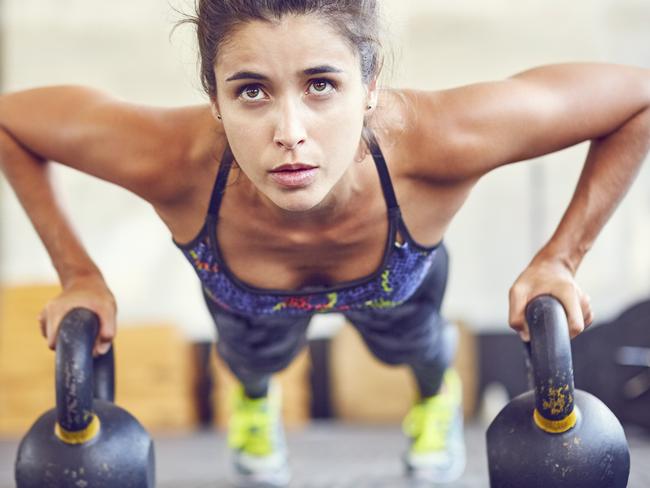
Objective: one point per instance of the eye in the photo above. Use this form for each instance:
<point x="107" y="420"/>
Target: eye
<point x="251" y="93"/>
<point x="321" y="87"/>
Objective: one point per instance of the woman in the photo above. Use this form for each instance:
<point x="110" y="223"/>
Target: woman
<point x="303" y="188"/>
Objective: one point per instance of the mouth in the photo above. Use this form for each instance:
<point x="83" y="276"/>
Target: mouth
<point x="294" y="175"/>
<point x="292" y="167"/>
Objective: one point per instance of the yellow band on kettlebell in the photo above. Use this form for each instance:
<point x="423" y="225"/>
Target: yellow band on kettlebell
<point x="78" y="437"/>
<point x="555" y="426"/>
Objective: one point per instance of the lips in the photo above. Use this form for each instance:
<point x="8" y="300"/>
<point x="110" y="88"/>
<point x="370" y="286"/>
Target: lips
<point x="292" y="167"/>
<point x="294" y="175"/>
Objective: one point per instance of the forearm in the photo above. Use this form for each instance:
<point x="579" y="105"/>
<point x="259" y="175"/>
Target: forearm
<point x="612" y="164"/>
<point x="29" y="177"/>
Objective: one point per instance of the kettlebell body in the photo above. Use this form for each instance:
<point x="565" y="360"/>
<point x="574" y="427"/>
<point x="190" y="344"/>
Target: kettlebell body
<point x="586" y="456"/>
<point x="113" y="458"/>
<point x="86" y="441"/>
<point x="555" y="436"/>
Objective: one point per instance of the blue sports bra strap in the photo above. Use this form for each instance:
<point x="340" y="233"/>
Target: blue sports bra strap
<point x="382" y="169"/>
<point x="220" y="182"/>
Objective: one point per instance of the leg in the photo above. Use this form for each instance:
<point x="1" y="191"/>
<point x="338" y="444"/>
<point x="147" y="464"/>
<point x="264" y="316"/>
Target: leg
<point x="428" y="375"/>
<point x="254" y="348"/>
<point x="414" y="333"/>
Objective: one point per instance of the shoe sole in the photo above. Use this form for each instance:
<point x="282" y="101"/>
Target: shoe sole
<point x="433" y="475"/>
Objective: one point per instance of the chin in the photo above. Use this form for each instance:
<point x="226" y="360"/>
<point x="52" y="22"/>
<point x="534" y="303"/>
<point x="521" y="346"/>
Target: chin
<point x="297" y="205"/>
<point x="298" y="201"/>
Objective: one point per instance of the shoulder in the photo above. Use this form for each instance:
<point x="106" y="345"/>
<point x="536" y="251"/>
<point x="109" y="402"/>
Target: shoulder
<point x="461" y="133"/>
<point x="187" y="141"/>
<point x="129" y="144"/>
<point x="457" y="135"/>
<point x="180" y="183"/>
<point x="420" y="132"/>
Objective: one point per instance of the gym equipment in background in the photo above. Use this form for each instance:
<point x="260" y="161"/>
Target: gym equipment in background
<point x="555" y="436"/>
<point x="84" y="441"/>
<point x="612" y="361"/>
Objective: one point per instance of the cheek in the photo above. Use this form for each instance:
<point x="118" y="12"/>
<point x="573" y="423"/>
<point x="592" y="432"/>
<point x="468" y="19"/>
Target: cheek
<point x="247" y="134"/>
<point x="343" y="132"/>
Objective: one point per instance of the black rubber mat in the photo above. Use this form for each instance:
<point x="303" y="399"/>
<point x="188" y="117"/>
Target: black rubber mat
<point x="325" y="455"/>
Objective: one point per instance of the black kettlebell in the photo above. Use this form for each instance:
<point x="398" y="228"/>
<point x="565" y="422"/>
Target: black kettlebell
<point x="84" y="442"/>
<point x="555" y="436"/>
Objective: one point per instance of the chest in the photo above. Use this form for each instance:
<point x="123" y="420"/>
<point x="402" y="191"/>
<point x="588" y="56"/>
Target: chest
<point x="266" y="256"/>
<point x="263" y="254"/>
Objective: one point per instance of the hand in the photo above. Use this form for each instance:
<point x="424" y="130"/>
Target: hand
<point x="89" y="292"/>
<point x="545" y="276"/>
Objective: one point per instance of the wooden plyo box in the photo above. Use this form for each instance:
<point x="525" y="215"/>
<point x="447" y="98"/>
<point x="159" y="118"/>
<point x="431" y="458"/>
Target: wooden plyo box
<point x="366" y="390"/>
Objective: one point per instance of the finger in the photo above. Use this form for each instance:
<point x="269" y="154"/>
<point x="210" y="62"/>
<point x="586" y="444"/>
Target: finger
<point x="106" y="332"/>
<point x="102" y="348"/>
<point x="42" y="322"/>
<point x="106" y="329"/>
<point x="51" y="327"/>
<point x="516" y="314"/>
<point x="55" y="316"/>
<point x="589" y="318"/>
<point x="587" y="312"/>
<point x="572" y="306"/>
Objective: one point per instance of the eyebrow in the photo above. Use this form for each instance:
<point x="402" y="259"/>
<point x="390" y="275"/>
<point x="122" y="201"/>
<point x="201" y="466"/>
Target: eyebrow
<point x="316" y="70"/>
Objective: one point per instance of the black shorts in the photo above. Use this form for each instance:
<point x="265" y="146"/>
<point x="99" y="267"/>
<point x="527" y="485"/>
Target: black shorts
<point x="410" y="333"/>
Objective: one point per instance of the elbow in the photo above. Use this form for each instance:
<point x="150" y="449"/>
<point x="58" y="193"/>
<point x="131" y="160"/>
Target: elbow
<point x="10" y="148"/>
<point x="6" y="143"/>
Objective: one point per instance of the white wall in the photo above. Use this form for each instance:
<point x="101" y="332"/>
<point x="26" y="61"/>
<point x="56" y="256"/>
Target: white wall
<point x="123" y="47"/>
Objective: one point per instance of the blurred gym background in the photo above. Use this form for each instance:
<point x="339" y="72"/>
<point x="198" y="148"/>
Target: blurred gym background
<point x="167" y="375"/>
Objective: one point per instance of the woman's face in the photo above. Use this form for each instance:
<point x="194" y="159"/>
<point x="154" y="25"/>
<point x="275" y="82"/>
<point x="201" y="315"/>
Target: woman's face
<point x="291" y="93"/>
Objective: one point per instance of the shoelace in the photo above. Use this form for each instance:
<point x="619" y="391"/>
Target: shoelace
<point x="429" y="422"/>
<point x="251" y="426"/>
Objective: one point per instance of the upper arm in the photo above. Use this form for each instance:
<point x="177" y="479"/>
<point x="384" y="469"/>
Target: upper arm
<point x="470" y="130"/>
<point x="87" y="130"/>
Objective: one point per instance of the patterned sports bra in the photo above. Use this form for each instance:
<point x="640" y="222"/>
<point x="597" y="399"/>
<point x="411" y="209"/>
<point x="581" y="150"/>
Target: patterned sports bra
<point x="401" y="272"/>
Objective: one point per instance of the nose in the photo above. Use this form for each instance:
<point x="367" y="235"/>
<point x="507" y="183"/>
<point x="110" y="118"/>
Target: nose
<point x="290" y="130"/>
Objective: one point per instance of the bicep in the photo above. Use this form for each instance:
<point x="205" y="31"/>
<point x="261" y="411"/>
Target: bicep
<point x="536" y="112"/>
<point x="90" y="131"/>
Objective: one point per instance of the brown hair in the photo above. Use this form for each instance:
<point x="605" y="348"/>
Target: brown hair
<point x="356" y="20"/>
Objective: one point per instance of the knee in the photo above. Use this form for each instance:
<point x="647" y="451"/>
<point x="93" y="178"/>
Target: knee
<point x="245" y="365"/>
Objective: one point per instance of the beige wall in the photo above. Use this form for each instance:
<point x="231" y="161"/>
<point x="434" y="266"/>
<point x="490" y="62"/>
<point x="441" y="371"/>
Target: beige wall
<point x="123" y="47"/>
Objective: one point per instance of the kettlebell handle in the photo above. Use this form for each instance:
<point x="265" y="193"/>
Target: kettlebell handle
<point x="79" y="378"/>
<point x="552" y="365"/>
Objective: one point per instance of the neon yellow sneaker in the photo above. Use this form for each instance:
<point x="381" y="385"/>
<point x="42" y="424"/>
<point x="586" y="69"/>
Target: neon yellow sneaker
<point x="256" y="440"/>
<point x="434" y="427"/>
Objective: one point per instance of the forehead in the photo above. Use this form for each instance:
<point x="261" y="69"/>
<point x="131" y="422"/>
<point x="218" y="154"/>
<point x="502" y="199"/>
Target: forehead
<point x="292" y="42"/>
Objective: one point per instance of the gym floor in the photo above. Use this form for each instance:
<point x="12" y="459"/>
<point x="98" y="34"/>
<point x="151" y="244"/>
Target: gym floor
<point x="325" y="455"/>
